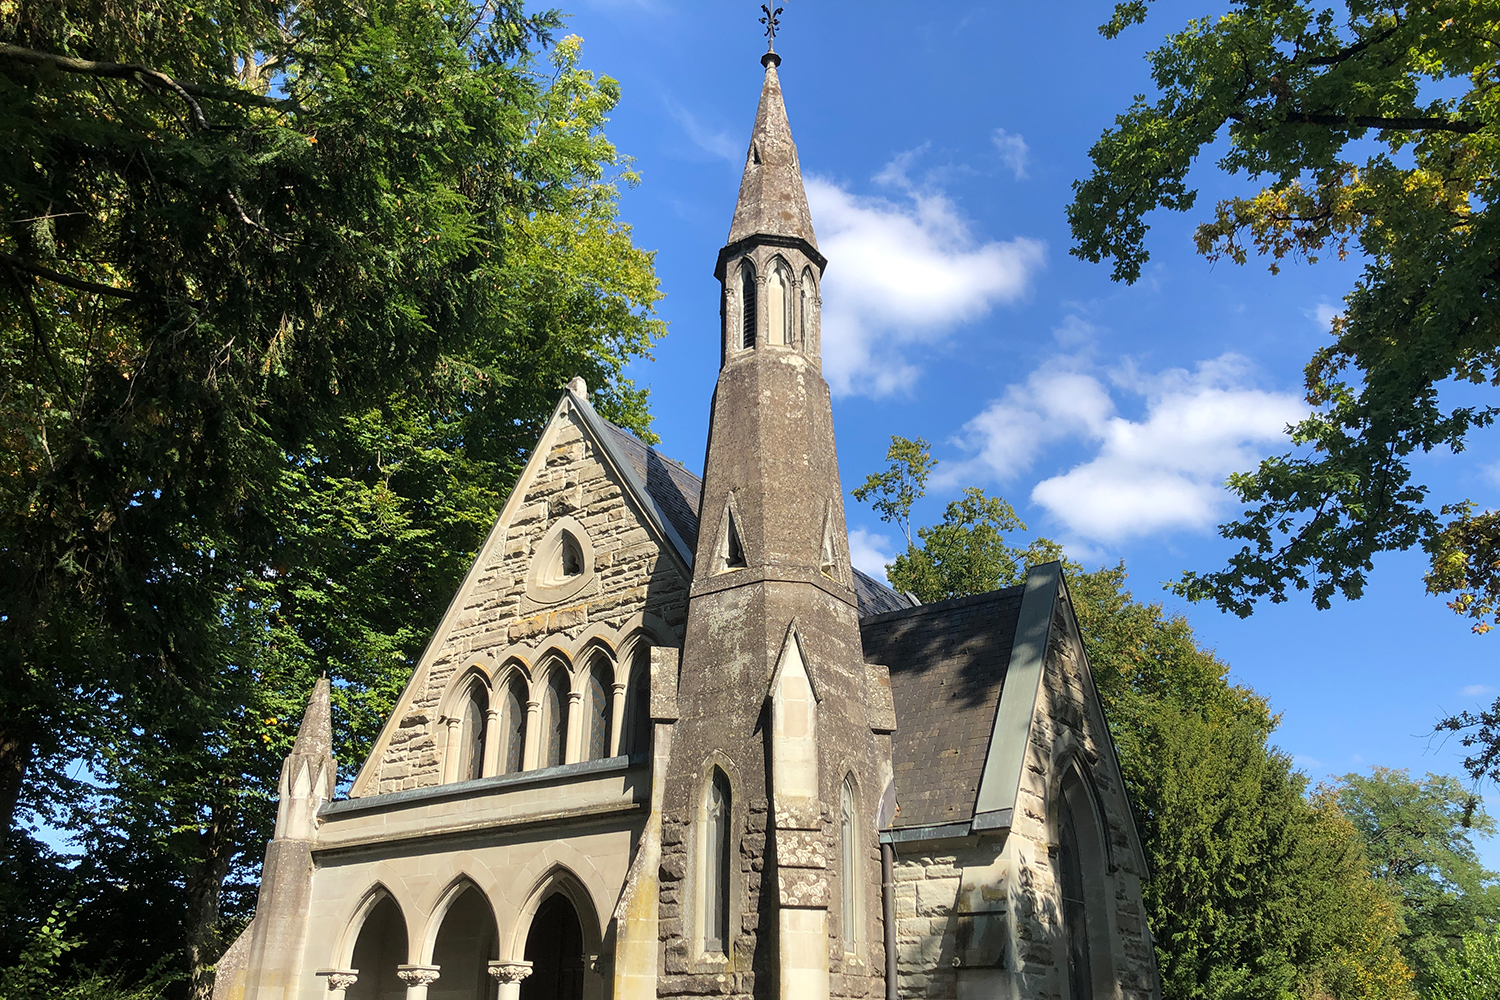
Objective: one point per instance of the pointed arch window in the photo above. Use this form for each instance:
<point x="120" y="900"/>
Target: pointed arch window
<point x="779" y="303"/>
<point x="638" y="704"/>
<point x="513" y="724"/>
<point x="747" y="306"/>
<point x="555" y="718"/>
<point x="850" y="881"/>
<point x="809" y="296"/>
<point x="597" y="703"/>
<point x="716" y="850"/>
<point x="1083" y="877"/>
<point x="475" y="705"/>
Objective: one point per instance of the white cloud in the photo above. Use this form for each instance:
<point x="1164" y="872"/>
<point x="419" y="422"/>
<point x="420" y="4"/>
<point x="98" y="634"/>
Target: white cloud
<point x="1014" y="152"/>
<point x="870" y="553"/>
<point x="717" y="144"/>
<point x="908" y="271"/>
<point x="1322" y="314"/>
<point x="1478" y="691"/>
<point x="1162" y="472"/>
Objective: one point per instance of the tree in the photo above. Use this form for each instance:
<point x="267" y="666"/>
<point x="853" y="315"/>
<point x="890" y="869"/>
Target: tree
<point x="1469" y="972"/>
<point x="967" y="553"/>
<point x="1419" y="837"/>
<point x="1370" y="126"/>
<point x="309" y="280"/>
<point x="1255" y="890"/>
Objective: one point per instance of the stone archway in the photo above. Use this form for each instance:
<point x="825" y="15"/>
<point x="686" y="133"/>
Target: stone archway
<point x="379" y="949"/>
<point x="465" y="945"/>
<point x="554" y="947"/>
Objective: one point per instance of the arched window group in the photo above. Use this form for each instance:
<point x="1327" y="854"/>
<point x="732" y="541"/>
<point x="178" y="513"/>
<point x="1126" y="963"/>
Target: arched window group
<point x="558" y="715"/>
<point x="790" y="305"/>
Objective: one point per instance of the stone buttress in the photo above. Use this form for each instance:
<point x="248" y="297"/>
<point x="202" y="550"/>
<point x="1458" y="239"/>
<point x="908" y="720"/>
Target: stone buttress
<point x="775" y="702"/>
<point x="279" y="931"/>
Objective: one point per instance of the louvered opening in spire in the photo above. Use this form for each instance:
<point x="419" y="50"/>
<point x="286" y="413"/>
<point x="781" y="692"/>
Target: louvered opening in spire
<point x="772" y="199"/>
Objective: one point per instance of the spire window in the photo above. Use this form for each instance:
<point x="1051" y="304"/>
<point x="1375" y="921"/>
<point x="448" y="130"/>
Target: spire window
<point x="779" y="303"/>
<point x="747" y="306"/>
<point x="809" y="295"/>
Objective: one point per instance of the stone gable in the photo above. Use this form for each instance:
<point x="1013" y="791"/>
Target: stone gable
<point x="505" y="615"/>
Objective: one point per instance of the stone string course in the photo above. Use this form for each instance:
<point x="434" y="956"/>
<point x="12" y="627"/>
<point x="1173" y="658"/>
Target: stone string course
<point x="632" y="574"/>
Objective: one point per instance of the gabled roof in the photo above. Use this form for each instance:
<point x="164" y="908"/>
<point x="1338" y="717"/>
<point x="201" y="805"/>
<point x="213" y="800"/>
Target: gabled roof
<point x="965" y="678"/>
<point x="948" y="663"/>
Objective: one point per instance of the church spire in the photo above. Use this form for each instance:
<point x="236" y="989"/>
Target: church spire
<point x="772" y="200"/>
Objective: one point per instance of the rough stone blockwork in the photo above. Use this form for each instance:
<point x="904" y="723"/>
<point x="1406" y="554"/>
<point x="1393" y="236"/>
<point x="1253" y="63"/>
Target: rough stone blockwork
<point x="632" y="574"/>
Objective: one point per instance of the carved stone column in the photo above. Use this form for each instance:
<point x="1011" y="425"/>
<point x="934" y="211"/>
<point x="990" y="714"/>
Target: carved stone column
<point x="417" y="978"/>
<point x="491" y="742"/>
<point x="451" y="751"/>
<point x="617" y="719"/>
<point x="573" y="738"/>
<point x="339" y="980"/>
<point x="531" y="753"/>
<point x="509" y="975"/>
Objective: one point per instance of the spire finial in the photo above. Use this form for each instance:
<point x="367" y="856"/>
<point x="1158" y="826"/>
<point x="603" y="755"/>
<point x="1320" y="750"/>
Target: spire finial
<point x="771" y="18"/>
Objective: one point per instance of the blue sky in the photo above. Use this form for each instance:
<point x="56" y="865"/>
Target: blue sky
<point x="940" y="142"/>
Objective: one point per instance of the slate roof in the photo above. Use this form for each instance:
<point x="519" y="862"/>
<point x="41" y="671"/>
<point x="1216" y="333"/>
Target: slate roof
<point x="678" y="493"/>
<point x="948" y="663"/>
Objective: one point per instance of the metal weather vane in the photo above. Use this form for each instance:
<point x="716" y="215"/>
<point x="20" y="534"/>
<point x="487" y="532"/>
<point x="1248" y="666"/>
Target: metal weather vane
<point x="771" y="18"/>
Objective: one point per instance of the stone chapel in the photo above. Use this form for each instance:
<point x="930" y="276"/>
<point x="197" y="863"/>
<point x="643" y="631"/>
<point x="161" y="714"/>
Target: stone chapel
<point x="667" y="742"/>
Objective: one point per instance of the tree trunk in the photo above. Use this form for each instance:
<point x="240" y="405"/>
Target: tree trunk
<point x="205" y="890"/>
<point x="16" y="750"/>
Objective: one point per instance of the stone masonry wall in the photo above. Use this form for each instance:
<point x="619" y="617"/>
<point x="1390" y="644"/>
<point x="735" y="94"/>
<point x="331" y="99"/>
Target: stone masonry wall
<point x="632" y="575"/>
<point x="1068" y="727"/>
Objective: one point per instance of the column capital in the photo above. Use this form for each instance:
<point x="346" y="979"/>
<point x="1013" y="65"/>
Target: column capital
<point x="339" y="979"/>
<point x="418" y="975"/>
<point x="506" y="972"/>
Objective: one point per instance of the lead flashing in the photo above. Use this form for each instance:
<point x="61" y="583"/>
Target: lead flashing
<point x="1000" y="782"/>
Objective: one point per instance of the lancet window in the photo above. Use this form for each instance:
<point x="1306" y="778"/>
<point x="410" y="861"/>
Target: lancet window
<point x="716" y="857"/>
<point x="850" y="882"/>
<point x="513" y="725"/>
<point x="596" y="700"/>
<point x="472" y="764"/>
<point x="638" y="704"/>
<point x="747" y="305"/>
<point x="779" y="303"/>
<point x="554" y="720"/>
<point x="809" y="295"/>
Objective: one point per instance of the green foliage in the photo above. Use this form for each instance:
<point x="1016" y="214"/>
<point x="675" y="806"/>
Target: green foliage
<point x="1419" y="838"/>
<point x="265" y="375"/>
<point x="1371" y="125"/>
<point x="1469" y="972"/>
<point x="967" y="553"/>
<point x="901" y="485"/>
<point x="1255" y="891"/>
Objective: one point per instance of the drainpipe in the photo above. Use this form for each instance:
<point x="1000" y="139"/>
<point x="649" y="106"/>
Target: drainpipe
<point x="888" y="914"/>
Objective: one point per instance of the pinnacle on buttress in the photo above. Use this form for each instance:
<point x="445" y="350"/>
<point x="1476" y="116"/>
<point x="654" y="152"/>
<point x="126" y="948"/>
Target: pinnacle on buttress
<point x="772" y="200"/>
<point x="315" y="735"/>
